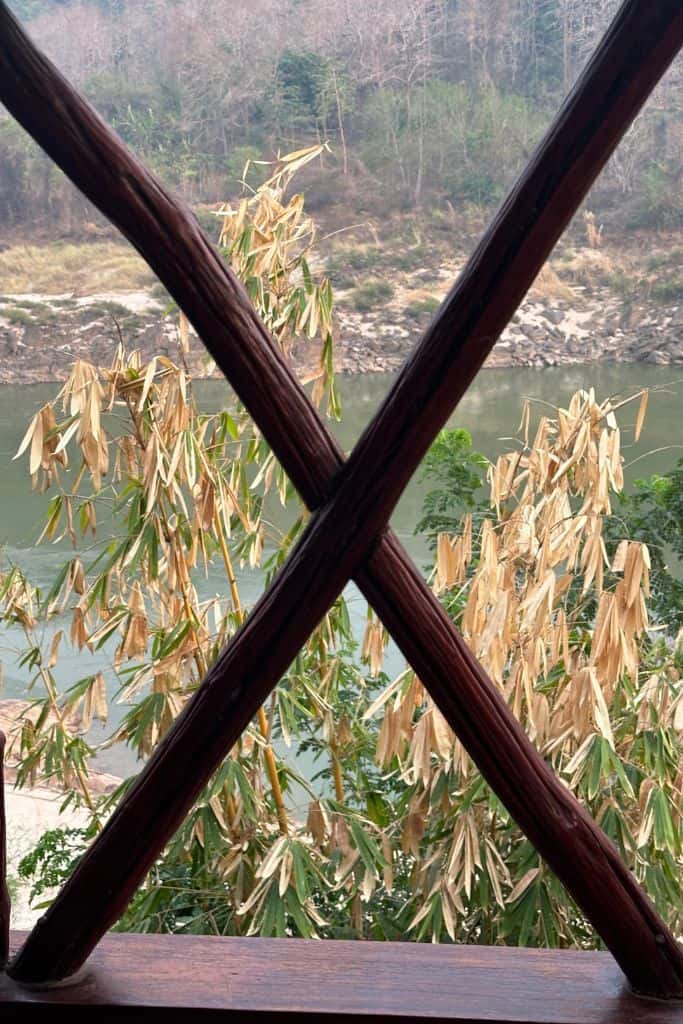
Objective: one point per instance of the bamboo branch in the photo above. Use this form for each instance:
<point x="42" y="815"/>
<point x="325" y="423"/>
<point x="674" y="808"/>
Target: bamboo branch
<point x="634" y="54"/>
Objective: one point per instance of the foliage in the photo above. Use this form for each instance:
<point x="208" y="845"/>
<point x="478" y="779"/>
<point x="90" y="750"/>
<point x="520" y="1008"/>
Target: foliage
<point x="306" y="92"/>
<point x="400" y="836"/>
<point x="653" y="515"/>
<point x="470" y="139"/>
<point x="53" y="858"/>
<point x="371" y="294"/>
<point x="459" y="473"/>
<point x="150" y="491"/>
<point x="564" y="632"/>
<point x="658" y="202"/>
<point x="443" y="104"/>
<point x="553" y="591"/>
<point x="419" y="308"/>
<point x="149" y="118"/>
<point x="267" y="242"/>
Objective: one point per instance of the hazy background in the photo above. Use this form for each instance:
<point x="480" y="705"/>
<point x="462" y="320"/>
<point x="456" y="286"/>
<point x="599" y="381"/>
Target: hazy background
<point x="424" y="101"/>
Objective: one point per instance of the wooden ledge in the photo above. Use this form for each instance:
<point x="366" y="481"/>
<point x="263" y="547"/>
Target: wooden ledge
<point x="179" y="978"/>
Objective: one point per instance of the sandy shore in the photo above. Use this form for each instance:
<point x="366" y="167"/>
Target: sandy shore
<point x="31" y="813"/>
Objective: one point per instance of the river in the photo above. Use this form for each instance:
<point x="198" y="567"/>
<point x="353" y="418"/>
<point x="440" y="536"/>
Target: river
<point x="490" y="411"/>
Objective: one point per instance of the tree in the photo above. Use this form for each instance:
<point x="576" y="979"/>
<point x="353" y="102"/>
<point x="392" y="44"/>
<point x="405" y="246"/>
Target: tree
<point x="205" y="78"/>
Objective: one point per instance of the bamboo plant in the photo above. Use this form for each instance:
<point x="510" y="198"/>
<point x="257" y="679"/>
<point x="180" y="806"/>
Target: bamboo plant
<point x="396" y="834"/>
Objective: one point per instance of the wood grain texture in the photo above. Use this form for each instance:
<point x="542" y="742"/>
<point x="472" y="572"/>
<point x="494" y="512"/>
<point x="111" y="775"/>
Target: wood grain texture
<point x="4" y="892"/>
<point x="345" y="529"/>
<point x="169" y="978"/>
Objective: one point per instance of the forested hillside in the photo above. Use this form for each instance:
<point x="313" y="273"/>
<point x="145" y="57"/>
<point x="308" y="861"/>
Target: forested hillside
<point x="423" y="101"/>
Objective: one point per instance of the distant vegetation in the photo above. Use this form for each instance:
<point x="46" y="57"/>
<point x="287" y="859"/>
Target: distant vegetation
<point x="423" y="102"/>
<point x="102" y="266"/>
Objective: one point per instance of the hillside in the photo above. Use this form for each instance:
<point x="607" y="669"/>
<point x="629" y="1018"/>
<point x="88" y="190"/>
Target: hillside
<point x="424" y="102"/>
<point x="614" y="303"/>
<point x="430" y="107"/>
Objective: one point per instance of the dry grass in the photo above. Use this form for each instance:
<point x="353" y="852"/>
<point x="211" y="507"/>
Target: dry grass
<point x="548" y="285"/>
<point x="424" y="294"/>
<point x="87" y="268"/>
<point x="590" y="267"/>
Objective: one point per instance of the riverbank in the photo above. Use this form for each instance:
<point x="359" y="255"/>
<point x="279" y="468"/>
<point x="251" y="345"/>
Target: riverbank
<point x="588" y="306"/>
<point x="542" y="333"/>
<point x="41" y="336"/>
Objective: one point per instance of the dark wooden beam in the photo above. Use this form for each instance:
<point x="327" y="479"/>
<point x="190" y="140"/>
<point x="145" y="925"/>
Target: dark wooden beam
<point x="4" y="892"/>
<point x="586" y="131"/>
<point x="176" y="978"/>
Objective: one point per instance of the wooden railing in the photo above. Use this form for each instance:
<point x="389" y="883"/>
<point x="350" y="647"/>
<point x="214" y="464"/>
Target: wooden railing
<point x="169" y="978"/>
<point x="347" y="536"/>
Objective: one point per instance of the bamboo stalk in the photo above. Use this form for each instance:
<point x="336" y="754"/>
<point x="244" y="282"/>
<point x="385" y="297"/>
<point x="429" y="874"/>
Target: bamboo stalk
<point x="4" y="891"/>
<point x="337" y="776"/>
<point x="271" y="768"/>
<point x="60" y="716"/>
<point x="269" y="753"/>
<point x="634" y="54"/>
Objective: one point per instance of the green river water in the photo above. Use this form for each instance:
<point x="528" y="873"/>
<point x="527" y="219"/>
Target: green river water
<point x="490" y="411"/>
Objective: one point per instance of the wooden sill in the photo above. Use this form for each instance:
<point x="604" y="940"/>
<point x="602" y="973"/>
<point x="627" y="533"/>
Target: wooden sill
<point x="174" y="978"/>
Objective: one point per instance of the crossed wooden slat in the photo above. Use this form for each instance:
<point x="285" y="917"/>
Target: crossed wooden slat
<point x="348" y="537"/>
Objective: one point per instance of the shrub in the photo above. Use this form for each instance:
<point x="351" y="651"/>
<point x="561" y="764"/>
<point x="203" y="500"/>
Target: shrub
<point x="409" y="259"/>
<point x="371" y="294"/>
<point x="658" y="202"/>
<point x="16" y="316"/>
<point x="107" y="308"/>
<point x="419" y="309"/>
<point x="670" y="290"/>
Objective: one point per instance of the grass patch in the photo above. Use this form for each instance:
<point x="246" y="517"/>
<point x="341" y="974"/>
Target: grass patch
<point x="134" y="322"/>
<point x="670" y="290"/>
<point x="17" y="317"/>
<point x="548" y="285"/>
<point x="420" y="309"/>
<point x="358" y="259"/>
<point x="410" y="259"/>
<point x="347" y="262"/>
<point x="85" y="269"/>
<point x="38" y="311"/>
<point x="669" y="258"/>
<point x="622" y="283"/>
<point x="114" y="309"/>
<point x="588" y="267"/>
<point x="27" y="304"/>
<point x="342" y="282"/>
<point x="159" y="292"/>
<point x="370" y="294"/>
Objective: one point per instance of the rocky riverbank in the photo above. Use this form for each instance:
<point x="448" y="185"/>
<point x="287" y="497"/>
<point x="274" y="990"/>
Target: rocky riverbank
<point x="544" y="332"/>
<point x="14" y="713"/>
<point x="41" y="336"/>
